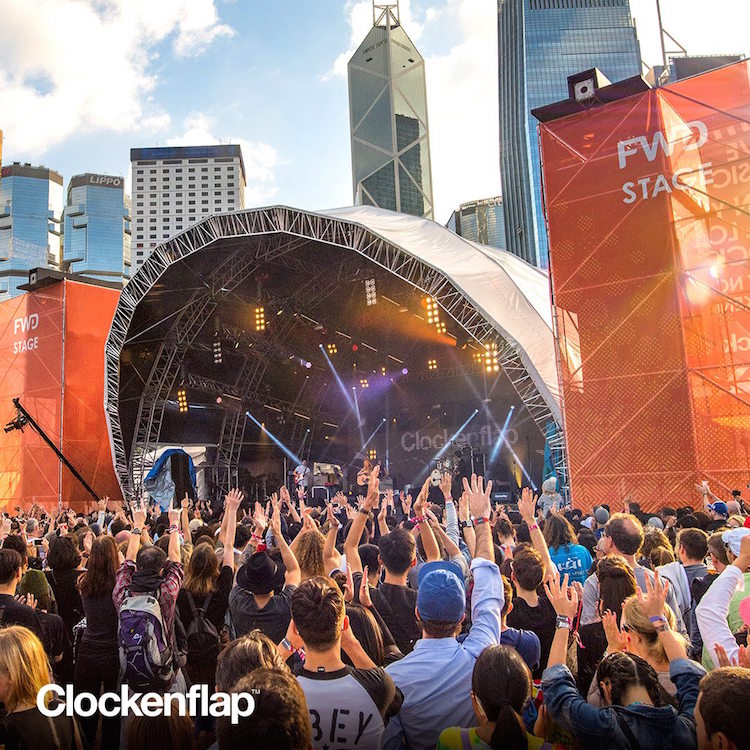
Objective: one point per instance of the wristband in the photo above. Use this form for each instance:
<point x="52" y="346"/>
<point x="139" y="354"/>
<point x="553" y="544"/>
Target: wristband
<point x="657" y="618"/>
<point x="364" y="511"/>
<point x="135" y="531"/>
<point x="172" y="529"/>
<point x="466" y="524"/>
<point x="287" y="644"/>
<point x="562" y="621"/>
<point x="533" y="526"/>
<point x="419" y="519"/>
<point x="480" y="521"/>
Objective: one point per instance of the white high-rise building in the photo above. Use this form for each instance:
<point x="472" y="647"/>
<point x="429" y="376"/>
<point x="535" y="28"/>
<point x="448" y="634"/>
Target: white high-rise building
<point x="173" y="187"/>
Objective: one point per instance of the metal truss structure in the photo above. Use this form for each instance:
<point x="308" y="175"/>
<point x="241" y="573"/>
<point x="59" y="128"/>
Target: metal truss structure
<point x="255" y="237"/>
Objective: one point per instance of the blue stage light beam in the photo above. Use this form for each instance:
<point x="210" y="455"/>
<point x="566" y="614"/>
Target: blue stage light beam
<point x="304" y="440"/>
<point x="455" y="435"/>
<point x="288" y="453"/>
<point x="356" y="411"/>
<point x="523" y="468"/>
<point x="501" y="436"/>
<point x="339" y="382"/>
<point x="374" y="432"/>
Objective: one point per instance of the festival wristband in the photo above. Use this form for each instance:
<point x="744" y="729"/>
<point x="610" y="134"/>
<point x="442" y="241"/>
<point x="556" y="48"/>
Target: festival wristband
<point x="657" y="618"/>
<point x="287" y="644"/>
<point x="172" y="529"/>
<point x="481" y="520"/>
<point x="533" y="526"/>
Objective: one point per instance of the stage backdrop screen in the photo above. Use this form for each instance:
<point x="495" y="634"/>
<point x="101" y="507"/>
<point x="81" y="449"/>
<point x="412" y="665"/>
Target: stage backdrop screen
<point x="647" y="203"/>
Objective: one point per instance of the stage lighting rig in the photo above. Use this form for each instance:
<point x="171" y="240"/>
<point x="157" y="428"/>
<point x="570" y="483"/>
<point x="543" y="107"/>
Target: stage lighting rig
<point x="332" y="349"/>
<point x="182" y="402"/>
<point x="218" y="356"/>
<point x="371" y="295"/>
<point x="372" y="454"/>
<point x="364" y="383"/>
<point x="432" y="364"/>
<point x="433" y="314"/>
<point x="491" y="361"/>
<point x="260" y="319"/>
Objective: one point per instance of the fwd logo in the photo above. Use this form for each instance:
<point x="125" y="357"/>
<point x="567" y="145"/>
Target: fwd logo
<point x="24" y="325"/>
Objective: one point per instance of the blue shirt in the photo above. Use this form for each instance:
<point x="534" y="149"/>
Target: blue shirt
<point x="526" y="643"/>
<point x="573" y="559"/>
<point x="435" y="677"/>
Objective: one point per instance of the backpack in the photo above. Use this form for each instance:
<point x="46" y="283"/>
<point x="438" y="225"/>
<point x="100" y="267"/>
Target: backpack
<point x="203" y="642"/>
<point x="146" y="661"/>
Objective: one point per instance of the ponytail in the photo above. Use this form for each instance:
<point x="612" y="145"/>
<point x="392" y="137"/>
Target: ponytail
<point x="509" y="733"/>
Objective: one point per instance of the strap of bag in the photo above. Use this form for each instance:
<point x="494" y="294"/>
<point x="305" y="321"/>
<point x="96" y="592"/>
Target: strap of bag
<point x="627" y="731"/>
<point x="191" y="603"/>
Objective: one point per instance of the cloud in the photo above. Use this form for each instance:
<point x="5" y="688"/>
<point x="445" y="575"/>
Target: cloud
<point x="71" y="66"/>
<point x="261" y="159"/>
<point x="462" y="90"/>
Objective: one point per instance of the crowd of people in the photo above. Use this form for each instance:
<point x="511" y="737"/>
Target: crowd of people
<point x="385" y="621"/>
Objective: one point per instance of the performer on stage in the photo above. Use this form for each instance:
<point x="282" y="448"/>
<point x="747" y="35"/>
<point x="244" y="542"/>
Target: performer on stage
<point x="303" y="476"/>
<point x="363" y="475"/>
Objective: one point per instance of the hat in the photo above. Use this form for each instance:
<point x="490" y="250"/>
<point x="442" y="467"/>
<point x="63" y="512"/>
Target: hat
<point x="733" y="539"/>
<point x="720" y="508"/>
<point x="195" y="524"/>
<point x="441" y="595"/>
<point x="260" y="574"/>
<point x="657" y="523"/>
<point x="601" y="515"/>
<point x="549" y="484"/>
<point x="587" y="522"/>
<point x="35" y="582"/>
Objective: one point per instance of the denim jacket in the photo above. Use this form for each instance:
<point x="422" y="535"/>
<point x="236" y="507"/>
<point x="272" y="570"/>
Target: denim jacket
<point x="665" y="728"/>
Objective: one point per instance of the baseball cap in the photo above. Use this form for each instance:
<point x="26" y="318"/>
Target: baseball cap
<point x="733" y="539"/>
<point x="195" y="524"/>
<point x="587" y="522"/>
<point x="601" y="515"/>
<point x="549" y="484"/>
<point x="441" y="595"/>
<point x="720" y="508"/>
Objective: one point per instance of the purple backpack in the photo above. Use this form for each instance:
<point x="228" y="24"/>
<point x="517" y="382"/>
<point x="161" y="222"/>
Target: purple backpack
<point x="146" y="661"/>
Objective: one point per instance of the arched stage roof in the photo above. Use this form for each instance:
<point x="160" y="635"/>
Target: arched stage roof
<point x="496" y="298"/>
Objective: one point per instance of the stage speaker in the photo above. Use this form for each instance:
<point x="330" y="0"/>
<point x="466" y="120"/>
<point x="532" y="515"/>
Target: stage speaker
<point x="584" y="91"/>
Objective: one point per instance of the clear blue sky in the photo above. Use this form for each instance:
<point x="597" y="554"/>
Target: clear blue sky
<point x="82" y="81"/>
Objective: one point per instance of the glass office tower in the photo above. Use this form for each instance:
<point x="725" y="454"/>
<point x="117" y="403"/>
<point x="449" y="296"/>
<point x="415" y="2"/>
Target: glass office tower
<point x="541" y="43"/>
<point x="388" y="117"/>
<point x="97" y="227"/>
<point x="480" y="221"/>
<point x="31" y="204"/>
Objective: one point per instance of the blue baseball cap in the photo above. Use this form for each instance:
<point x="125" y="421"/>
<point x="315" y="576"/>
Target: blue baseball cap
<point x="441" y="595"/>
<point x="720" y="508"/>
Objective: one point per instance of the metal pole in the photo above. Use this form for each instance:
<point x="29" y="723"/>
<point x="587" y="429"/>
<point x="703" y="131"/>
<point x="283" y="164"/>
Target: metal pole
<point x="661" y="35"/>
<point x="43" y="435"/>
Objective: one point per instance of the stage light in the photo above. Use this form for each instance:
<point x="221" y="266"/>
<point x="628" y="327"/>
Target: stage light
<point x="355" y="348"/>
<point x="372" y="454"/>
<point x="332" y="349"/>
<point x="432" y="364"/>
<point x="478" y="358"/>
<point x="371" y="295"/>
<point x="382" y="371"/>
<point x="218" y="357"/>
<point x="433" y="314"/>
<point x="308" y="365"/>
<point x="218" y="399"/>
<point x="260" y="319"/>
<point x="364" y="383"/>
<point x="182" y="402"/>
<point x="491" y="362"/>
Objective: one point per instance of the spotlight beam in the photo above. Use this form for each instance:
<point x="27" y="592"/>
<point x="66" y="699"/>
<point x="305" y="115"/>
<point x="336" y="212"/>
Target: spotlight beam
<point x="450" y="440"/>
<point x="339" y="382"/>
<point x="374" y="432"/>
<point x="356" y="410"/>
<point x="288" y="453"/>
<point x="501" y="436"/>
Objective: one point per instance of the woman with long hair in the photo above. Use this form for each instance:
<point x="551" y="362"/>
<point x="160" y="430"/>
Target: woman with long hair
<point x="616" y="583"/>
<point x="24" y="671"/>
<point x="97" y="665"/>
<point x="569" y="556"/>
<point x="206" y="589"/>
<point x="368" y="633"/>
<point x="500" y="690"/>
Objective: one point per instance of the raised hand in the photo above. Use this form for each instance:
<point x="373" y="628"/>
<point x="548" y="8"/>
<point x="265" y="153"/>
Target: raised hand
<point x="419" y="503"/>
<point x="185" y="502"/>
<point x="276" y="523"/>
<point x="260" y="517"/>
<point x="562" y="597"/>
<point x="463" y="507"/>
<point x="174" y="516"/>
<point x="103" y="504"/>
<point x="373" y="490"/>
<point x="364" y="589"/>
<point x="479" y="496"/>
<point x="232" y="501"/>
<point x="527" y="505"/>
<point x="655" y="598"/>
<point x="349" y="586"/>
<point x="389" y="498"/>
<point x="285" y="497"/>
<point x="445" y="485"/>
<point x="332" y="520"/>
<point x="616" y="639"/>
<point x="139" y="516"/>
<point x="88" y="541"/>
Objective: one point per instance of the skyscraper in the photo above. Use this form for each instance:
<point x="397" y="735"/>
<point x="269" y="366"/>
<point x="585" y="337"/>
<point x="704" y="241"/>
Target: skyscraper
<point x="388" y="119"/>
<point x="176" y="186"/>
<point x="96" y="240"/>
<point x="541" y="43"/>
<point x="31" y="205"/>
<point x="480" y="221"/>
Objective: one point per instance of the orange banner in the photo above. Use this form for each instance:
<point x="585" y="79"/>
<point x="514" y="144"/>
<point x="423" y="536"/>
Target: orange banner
<point x="647" y="201"/>
<point x="52" y="359"/>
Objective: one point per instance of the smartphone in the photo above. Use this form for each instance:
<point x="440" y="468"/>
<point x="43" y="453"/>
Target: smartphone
<point x="37" y="542"/>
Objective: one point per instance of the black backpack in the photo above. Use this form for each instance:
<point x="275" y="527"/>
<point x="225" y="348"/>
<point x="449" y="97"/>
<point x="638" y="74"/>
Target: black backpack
<point x="203" y="642"/>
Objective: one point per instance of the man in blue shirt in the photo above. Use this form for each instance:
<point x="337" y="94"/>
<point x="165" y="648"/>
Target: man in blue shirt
<point x="435" y="678"/>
